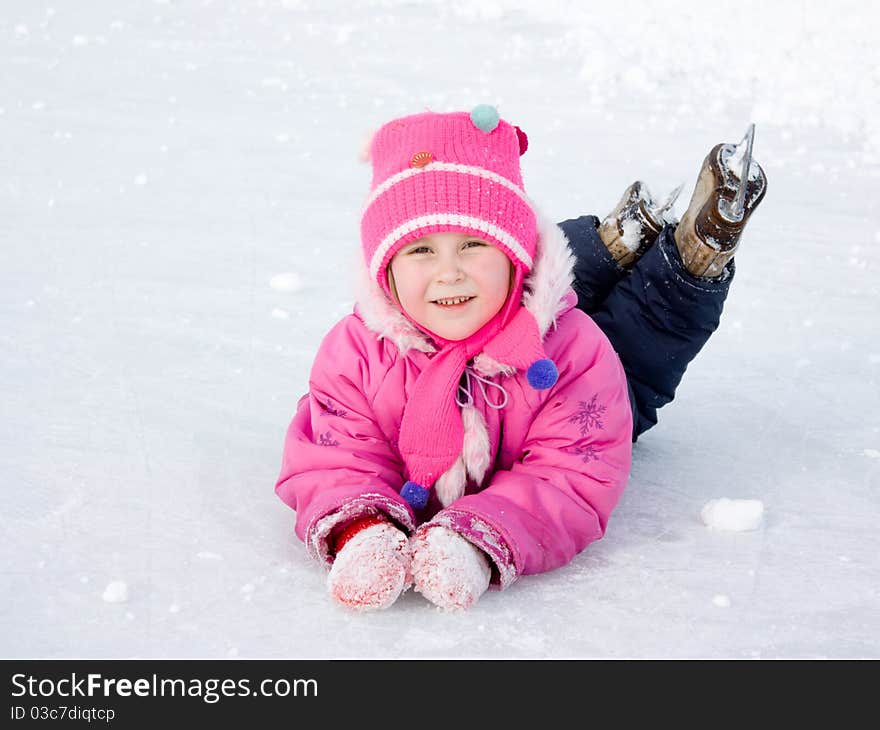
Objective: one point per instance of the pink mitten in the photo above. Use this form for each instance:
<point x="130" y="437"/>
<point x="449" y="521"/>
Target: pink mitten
<point x="372" y="567"/>
<point x="447" y="569"/>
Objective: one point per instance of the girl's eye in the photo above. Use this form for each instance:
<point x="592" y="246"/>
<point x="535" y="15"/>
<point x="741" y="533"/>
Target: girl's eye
<point x="427" y="249"/>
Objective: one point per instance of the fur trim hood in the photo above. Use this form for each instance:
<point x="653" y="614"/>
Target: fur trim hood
<point x="547" y="294"/>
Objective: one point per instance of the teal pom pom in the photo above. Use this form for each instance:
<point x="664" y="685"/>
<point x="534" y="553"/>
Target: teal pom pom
<point x="485" y="117"/>
<point x="542" y="374"/>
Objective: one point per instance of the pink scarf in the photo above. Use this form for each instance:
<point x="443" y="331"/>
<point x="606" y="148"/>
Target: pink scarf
<point x="432" y="433"/>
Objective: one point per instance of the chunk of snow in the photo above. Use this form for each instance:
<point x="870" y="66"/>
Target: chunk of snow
<point x="280" y="313"/>
<point x="721" y="601"/>
<point x="287" y="281"/>
<point x="207" y="555"/>
<point x="735" y="515"/>
<point x="872" y="453"/>
<point x="116" y="592"/>
<point x="632" y="234"/>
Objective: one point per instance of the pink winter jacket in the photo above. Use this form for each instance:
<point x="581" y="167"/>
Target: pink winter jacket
<point x="537" y="479"/>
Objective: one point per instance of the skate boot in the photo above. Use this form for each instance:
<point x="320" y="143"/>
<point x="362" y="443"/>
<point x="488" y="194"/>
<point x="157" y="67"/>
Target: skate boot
<point x="632" y="227"/>
<point x="710" y="229"/>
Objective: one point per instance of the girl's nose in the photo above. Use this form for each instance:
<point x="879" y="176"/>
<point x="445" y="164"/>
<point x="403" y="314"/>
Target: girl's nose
<point x="449" y="270"/>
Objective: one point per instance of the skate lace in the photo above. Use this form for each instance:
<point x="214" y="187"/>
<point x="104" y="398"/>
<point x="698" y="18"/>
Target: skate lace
<point x="471" y="375"/>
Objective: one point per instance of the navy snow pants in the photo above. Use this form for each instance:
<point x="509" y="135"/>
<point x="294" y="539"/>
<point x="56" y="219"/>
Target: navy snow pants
<point x="657" y="316"/>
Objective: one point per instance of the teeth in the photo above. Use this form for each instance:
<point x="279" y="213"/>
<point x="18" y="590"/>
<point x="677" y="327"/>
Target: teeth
<point x="457" y="300"/>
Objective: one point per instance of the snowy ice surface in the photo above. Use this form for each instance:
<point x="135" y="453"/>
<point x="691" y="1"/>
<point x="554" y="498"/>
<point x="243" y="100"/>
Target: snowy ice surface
<point x="154" y="183"/>
<point x="733" y="515"/>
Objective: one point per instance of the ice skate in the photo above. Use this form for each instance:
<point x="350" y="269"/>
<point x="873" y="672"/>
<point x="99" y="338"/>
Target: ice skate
<point x="710" y="229"/>
<point x="633" y="226"/>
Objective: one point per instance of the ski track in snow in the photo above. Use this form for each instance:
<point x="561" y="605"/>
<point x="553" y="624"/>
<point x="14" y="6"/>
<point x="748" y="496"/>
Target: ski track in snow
<point x="181" y="196"/>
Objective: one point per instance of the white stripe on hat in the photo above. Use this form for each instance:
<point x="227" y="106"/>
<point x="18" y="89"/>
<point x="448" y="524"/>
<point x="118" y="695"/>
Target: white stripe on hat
<point x="447" y="219"/>
<point x="446" y="167"/>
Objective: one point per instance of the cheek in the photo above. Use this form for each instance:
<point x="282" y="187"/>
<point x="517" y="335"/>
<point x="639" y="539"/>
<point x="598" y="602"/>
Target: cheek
<point x="497" y="277"/>
<point x="407" y="282"/>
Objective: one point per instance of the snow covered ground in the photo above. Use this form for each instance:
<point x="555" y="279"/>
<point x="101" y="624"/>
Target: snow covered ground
<point x="163" y="161"/>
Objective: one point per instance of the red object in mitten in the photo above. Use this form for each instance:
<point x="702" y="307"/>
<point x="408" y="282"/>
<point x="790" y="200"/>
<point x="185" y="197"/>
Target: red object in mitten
<point x="372" y="565"/>
<point x="353" y="528"/>
<point x="447" y="569"/>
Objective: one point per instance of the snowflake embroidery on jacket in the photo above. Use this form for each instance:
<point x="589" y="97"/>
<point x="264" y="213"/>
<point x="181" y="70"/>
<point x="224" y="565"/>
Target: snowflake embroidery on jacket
<point x="331" y="411"/>
<point x="589" y="452"/>
<point x="325" y="439"/>
<point x="589" y="416"/>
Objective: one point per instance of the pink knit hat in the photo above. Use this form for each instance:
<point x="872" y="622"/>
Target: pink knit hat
<point x="440" y="172"/>
<point x="460" y="172"/>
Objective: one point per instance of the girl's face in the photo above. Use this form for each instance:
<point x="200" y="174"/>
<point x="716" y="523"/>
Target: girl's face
<point x="451" y="284"/>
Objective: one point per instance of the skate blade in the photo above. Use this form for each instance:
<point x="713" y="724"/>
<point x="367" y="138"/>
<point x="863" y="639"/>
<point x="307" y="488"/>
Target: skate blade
<point x="659" y="212"/>
<point x="734" y="211"/>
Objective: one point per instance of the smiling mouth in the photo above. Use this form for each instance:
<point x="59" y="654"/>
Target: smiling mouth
<point x="452" y="301"/>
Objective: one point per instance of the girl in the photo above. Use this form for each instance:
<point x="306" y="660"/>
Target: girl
<point x="469" y="423"/>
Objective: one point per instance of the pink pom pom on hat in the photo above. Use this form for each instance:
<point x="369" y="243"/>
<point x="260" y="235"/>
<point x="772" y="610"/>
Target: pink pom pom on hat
<point x="440" y="172"/>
